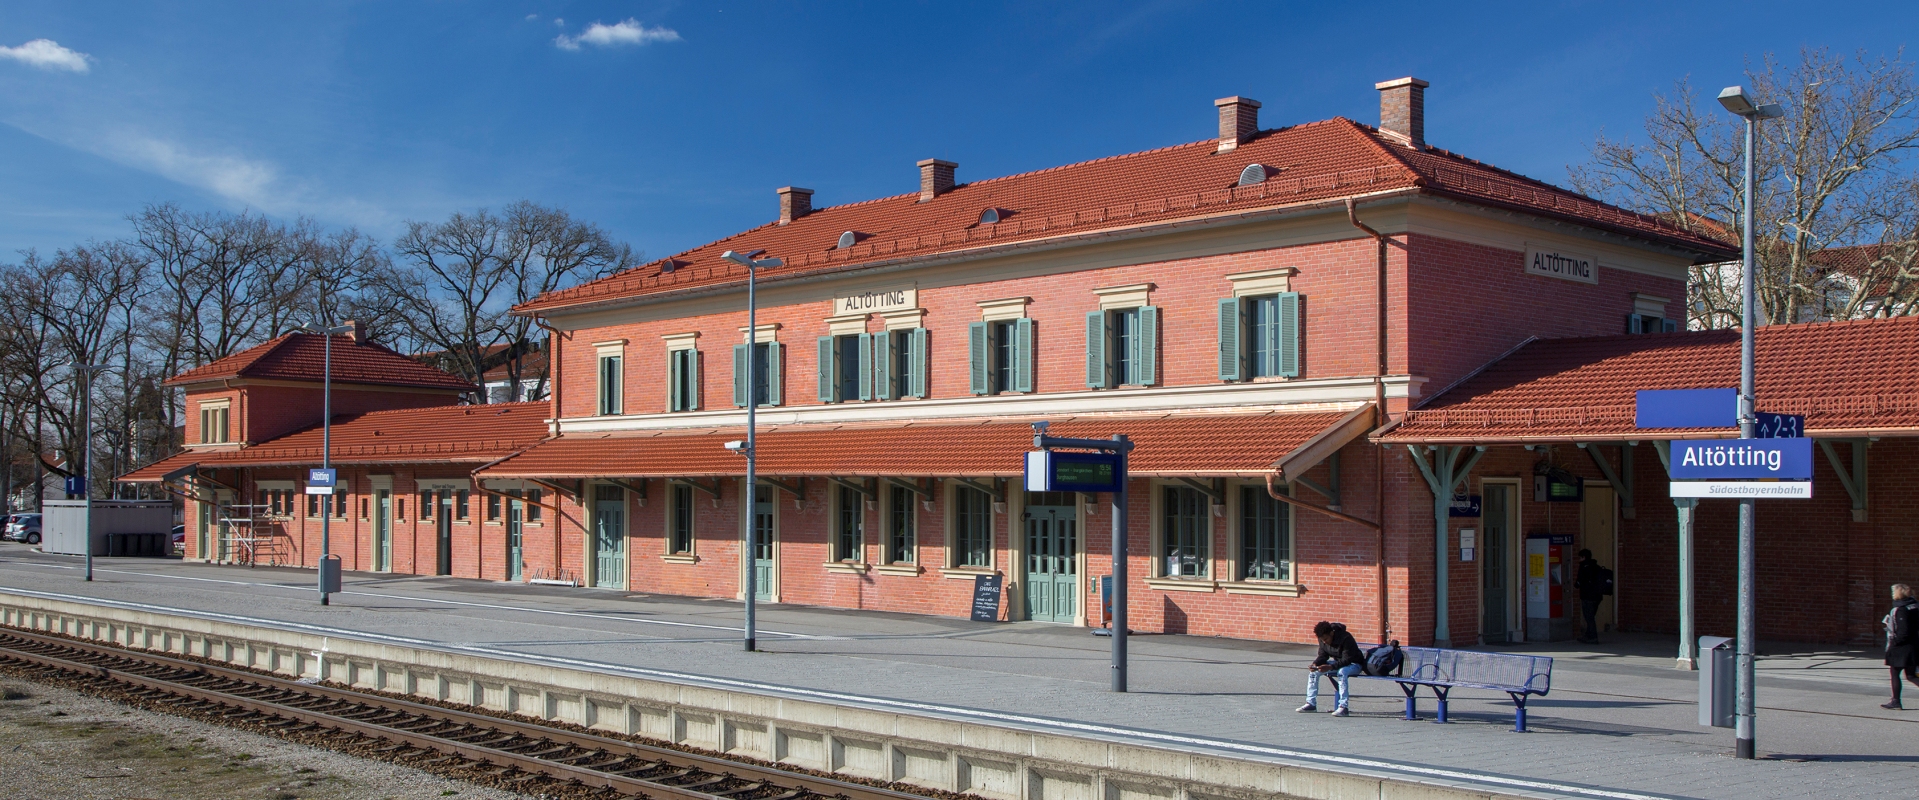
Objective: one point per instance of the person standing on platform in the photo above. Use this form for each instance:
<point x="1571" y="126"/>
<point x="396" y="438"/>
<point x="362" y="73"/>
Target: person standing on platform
<point x="1593" y="582"/>
<point x="1339" y="658"/>
<point x="1902" y="641"/>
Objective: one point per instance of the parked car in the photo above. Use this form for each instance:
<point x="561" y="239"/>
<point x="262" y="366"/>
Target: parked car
<point x="179" y="540"/>
<point x="24" y="528"/>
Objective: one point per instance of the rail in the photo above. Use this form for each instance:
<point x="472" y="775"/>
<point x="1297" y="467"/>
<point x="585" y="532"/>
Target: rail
<point x="418" y="729"/>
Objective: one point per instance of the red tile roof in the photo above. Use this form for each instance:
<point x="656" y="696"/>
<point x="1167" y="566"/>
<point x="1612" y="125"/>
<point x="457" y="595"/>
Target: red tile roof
<point x="442" y="434"/>
<point x="301" y="357"/>
<point x="1848" y="378"/>
<point x="1183" y="445"/>
<point x="1316" y="162"/>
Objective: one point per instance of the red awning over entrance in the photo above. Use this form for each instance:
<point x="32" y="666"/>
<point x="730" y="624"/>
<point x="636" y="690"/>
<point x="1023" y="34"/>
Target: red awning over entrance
<point x="1226" y="445"/>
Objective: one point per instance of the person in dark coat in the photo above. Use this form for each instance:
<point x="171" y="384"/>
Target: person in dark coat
<point x="1902" y="640"/>
<point x="1591" y="583"/>
<point x="1339" y="657"/>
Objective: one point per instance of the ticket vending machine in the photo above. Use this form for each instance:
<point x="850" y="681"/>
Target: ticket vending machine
<point x="1548" y="610"/>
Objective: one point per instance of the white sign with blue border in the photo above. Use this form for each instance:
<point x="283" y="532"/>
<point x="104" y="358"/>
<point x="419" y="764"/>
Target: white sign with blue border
<point x="1742" y="468"/>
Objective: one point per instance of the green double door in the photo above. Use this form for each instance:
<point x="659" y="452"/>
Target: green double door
<point x="1052" y="563"/>
<point x="383" y="531"/>
<point x="766" y="536"/>
<point x="515" y="531"/>
<point x="609" y="537"/>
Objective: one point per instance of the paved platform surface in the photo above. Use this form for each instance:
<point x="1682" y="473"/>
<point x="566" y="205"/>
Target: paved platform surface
<point x="1619" y="723"/>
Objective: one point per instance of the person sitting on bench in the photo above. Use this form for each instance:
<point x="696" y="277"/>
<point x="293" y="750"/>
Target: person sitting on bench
<point x="1339" y="657"/>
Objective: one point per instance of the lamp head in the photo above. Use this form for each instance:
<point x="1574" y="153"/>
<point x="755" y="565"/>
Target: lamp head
<point x="1735" y="99"/>
<point x="750" y="259"/>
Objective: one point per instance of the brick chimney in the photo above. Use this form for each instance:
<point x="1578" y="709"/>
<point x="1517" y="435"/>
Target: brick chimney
<point x="936" y="178"/>
<point x="1238" y="121"/>
<point x="1402" y="109"/>
<point x="794" y="203"/>
<point x="359" y="330"/>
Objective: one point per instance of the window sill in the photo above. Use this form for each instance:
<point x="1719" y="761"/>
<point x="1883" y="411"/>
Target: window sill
<point x="848" y="567"/>
<point x="680" y="558"/>
<point x="899" y="569"/>
<point x="967" y="573"/>
<point x="1182" y="584"/>
<point x="1268" y="588"/>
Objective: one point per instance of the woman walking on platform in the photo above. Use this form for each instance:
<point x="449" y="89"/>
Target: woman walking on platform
<point x="1902" y="640"/>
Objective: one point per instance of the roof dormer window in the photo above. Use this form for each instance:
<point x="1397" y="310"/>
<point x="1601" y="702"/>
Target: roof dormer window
<point x="847" y="240"/>
<point x="991" y="216"/>
<point x="1253" y="173"/>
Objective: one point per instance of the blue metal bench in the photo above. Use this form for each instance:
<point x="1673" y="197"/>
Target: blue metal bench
<point x="1445" y="670"/>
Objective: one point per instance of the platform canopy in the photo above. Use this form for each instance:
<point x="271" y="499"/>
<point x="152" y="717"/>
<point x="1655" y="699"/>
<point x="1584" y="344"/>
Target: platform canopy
<point x="1183" y="445"/>
<point x="1850" y="379"/>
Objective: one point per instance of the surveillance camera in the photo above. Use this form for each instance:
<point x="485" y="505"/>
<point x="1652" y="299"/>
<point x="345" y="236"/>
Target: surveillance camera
<point x="736" y="445"/>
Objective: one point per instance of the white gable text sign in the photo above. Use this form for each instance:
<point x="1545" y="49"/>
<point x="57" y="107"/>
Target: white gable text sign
<point x="1555" y="263"/>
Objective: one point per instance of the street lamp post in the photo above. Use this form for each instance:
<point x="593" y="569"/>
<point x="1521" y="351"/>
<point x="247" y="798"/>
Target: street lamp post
<point x="329" y="577"/>
<point x="87" y="371"/>
<point x="749" y="507"/>
<point x="1735" y="99"/>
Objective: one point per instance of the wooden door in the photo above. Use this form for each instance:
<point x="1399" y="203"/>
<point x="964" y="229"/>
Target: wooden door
<point x="1598" y="528"/>
<point x="609" y="537"/>
<point x="1052" y="560"/>
<point x="1499" y="592"/>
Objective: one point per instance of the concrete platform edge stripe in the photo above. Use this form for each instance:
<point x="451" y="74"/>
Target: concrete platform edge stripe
<point x="1041" y="723"/>
<point x="582" y="614"/>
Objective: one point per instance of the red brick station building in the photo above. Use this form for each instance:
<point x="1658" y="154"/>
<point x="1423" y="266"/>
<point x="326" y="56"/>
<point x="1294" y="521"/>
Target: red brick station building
<point x="1365" y="323"/>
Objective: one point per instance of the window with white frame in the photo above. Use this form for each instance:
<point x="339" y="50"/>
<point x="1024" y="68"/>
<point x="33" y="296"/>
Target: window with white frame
<point x="849" y="524"/>
<point x="1122" y="347"/>
<point x="213" y="423"/>
<point x="901" y="526"/>
<point x="1185" y="532"/>
<point x="971" y="544"/>
<point x="1265" y="537"/>
<point x="611" y="398"/>
<point x="680" y="520"/>
<point x="683" y="379"/>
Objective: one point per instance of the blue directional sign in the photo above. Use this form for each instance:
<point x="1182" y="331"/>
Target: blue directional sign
<point x="322" y="481"/>
<point x="1742" y="460"/>
<point x="1686" y="408"/>
<point x="1069" y="471"/>
<point x="76" y="485"/>
<point x="1779" y="426"/>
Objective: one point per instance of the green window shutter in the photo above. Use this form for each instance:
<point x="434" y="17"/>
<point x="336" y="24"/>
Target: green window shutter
<point x="1668" y="325"/>
<point x="1286" y="323"/>
<point x="675" y="382"/>
<point x="740" y="361"/>
<point x="1147" y="342"/>
<point x="1096" y="350"/>
<point x="866" y="367"/>
<point x="1022" y="355"/>
<point x="1635" y="323"/>
<point x="882" y="371"/>
<point x="917" y="363"/>
<point x="979" y="355"/>
<point x="1232" y="360"/>
<point x="773" y="362"/>
<point x="692" y="371"/>
<point x="829" y="377"/>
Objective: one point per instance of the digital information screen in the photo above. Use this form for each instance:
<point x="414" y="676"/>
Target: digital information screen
<point x="1058" y="471"/>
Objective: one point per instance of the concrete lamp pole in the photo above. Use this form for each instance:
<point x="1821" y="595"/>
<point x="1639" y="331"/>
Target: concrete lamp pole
<point x="1735" y="99"/>
<point x="87" y="371"/>
<point x="748" y="508"/>
<point x="329" y="578"/>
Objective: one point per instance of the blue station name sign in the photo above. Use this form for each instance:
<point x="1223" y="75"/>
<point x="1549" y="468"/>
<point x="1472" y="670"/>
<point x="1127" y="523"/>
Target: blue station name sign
<point x="1742" y="468"/>
<point x="1070" y="471"/>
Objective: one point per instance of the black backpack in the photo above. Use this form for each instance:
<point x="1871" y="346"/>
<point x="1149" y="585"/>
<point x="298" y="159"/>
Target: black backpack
<point x="1385" y="659"/>
<point x="1605" y="582"/>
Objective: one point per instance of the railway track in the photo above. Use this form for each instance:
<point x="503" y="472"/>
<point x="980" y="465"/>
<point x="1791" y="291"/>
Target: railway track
<point x="439" y="737"/>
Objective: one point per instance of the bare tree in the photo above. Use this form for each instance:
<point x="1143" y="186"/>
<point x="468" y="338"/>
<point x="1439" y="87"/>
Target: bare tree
<point x="1831" y="179"/>
<point x="458" y="280"/>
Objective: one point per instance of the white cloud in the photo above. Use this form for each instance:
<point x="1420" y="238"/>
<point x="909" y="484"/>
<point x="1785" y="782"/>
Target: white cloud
<point x="49" y="55"/>
<point x="532" y="16"/>
<point x="626" y="32"/>
<point x="234" y="177"/>
<point x="559" y="21"/>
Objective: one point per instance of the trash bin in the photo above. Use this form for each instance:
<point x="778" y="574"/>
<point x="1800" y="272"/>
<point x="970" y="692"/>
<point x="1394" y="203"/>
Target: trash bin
<point x="1715" y="681"/>
<point x="330" y="574"/>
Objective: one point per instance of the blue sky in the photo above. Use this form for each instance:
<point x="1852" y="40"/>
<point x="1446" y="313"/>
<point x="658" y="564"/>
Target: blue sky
<point x="671" y="123"/>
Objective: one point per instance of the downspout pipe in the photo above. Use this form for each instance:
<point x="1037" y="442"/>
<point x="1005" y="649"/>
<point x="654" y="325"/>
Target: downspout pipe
<point x="1379" y="408"/>
<point x="552" y="370"/>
